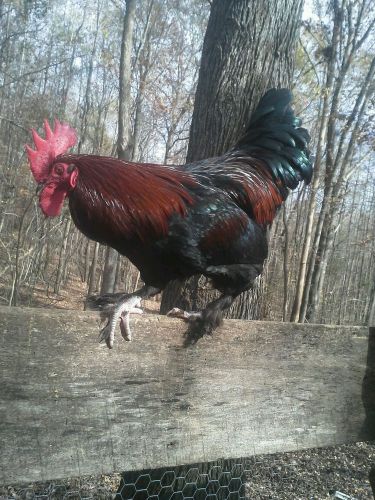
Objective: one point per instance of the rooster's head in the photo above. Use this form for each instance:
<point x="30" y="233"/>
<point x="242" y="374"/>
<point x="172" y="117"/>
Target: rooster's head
<point x="55" y="177"/>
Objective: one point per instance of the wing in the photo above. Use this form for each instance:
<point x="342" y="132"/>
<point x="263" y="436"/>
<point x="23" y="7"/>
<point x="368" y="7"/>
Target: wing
<point x="231" y="236"/>
<point x="215" y="231"/>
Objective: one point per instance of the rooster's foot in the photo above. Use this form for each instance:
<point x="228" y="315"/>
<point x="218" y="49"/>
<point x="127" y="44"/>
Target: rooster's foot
<point x="120" y="312"/>
<point x="176" y="312"/>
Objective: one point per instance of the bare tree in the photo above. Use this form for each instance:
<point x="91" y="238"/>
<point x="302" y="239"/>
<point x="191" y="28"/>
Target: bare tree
<point x="109" y="272"/>
<point x="350" y="31"/>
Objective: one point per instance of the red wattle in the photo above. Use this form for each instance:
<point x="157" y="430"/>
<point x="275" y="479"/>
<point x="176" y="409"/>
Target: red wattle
<point x="51" y="199"/>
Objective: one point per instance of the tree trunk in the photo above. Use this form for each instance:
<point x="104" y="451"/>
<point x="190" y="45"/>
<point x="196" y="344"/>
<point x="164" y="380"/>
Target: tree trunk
<point x="346" y="40"/>
<point x="125" y="82"/>
<point x="286" y="263"/>
<point x="371" y="311"/>
<point x="109" y="272"/>
<point x="303" y="282"/>
<point x="94" y="266"/>
<point x="87" y="104"/>
<point x="87" y="262"/>
<point x="248" y="48"/>
<point x="337" y="172"/>
<point x="62" y="256"/>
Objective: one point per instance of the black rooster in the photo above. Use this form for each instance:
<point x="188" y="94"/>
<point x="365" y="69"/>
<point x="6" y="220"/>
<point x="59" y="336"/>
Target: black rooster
<point x="208" y="217"/>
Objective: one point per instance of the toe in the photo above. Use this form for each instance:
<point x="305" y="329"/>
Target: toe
<point x="176" y="312"/>
<point x="106" y="336"/>
<point x="136" y="310"/>
<point x="125" y="328"/>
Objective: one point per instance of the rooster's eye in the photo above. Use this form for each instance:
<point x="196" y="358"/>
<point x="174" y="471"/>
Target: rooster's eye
<point x="59" y="169"/>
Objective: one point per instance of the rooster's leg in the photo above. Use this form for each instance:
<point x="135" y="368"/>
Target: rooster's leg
<point x="120" y="312"/>
<point x="176" y="312"/>
<point x="117" y="308"/>
<point x="203" y="322"/>
<point x="211" y="317"/>
<point x="231" y="280"/>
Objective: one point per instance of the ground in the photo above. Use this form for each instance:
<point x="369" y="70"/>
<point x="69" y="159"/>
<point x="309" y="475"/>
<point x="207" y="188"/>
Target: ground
<point x="70" y="297"/>
<point x="306" y="475"/>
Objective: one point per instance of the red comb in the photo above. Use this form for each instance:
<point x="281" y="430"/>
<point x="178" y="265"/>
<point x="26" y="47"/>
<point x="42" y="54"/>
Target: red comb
<point x="56" y="143"/>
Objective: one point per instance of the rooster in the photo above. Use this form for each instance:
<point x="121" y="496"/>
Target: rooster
<point x="208" y="217"/>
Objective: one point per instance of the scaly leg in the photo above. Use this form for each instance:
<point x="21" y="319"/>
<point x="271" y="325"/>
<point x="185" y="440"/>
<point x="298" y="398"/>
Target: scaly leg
<point x="203" y="322"/>
<point x="231" y="281"/>
<point x="176" y="312"/>
<point x="118" y="307"/>
<point x="120" y="312"/>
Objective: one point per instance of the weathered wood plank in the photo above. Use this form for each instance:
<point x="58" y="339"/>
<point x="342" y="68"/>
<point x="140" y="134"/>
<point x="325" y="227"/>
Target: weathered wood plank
<point x="71" y="407"/>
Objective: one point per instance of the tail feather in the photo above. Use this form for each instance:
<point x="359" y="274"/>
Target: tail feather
<point x="275" y="136"/>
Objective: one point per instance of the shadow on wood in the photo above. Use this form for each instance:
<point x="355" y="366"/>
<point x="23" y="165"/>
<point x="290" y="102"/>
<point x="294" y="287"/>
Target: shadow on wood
<point x="71" y="407"/>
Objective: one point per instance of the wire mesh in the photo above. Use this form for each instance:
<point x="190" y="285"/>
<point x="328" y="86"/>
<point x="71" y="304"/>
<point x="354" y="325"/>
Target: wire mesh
<point x="220" y="480"/>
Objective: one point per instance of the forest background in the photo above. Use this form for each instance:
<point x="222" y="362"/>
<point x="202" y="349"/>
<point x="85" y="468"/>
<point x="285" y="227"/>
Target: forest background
<point x="64" y="61"/>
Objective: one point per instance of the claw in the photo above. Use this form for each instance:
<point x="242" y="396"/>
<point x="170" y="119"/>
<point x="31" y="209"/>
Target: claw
<point x="124" y="323"/>
<point x="107" y="335"/>
<point x="125" y="327"/>
<point x="120" y="312"/>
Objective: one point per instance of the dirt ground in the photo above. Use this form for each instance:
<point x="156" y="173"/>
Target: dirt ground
<point x="340" y="472"/>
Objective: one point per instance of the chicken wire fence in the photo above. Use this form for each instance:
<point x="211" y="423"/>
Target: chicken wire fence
<point x="340" y="472"/>
<point x="224" y="479"/>
<point x="216" y="480"/>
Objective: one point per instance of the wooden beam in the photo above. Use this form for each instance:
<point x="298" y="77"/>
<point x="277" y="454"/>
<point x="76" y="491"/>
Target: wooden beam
<point x="70" y="407"/>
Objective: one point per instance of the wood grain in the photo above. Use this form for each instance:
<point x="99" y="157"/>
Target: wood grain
<point x="70" y="407"/>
